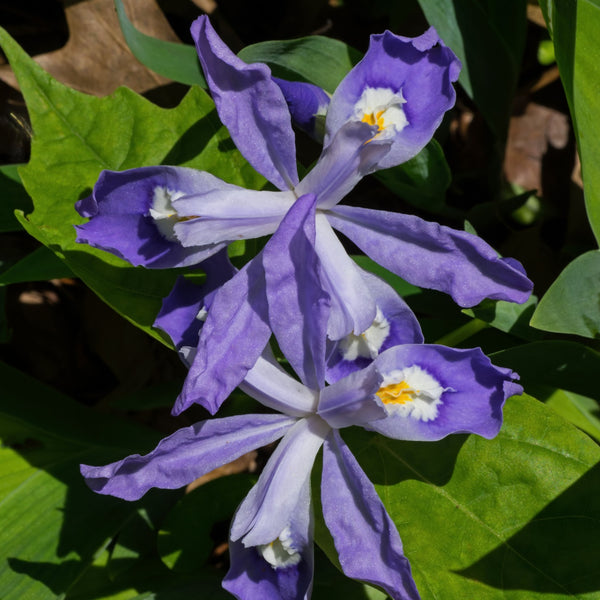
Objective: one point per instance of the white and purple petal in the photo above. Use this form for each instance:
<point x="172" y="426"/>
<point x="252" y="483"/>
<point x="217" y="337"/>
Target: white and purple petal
<point x="186" y="455"/>
<point x="433" y="256"/>
<point x="251" y="105"/>
<point x="366" y="539"/>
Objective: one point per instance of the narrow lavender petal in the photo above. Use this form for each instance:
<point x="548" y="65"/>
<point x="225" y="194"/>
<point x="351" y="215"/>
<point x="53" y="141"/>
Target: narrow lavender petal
<point x="270" y="504"/>
<point x="421" y="69"/>
<point x="475" y="392"/>
<point x="251" y="577"/>
<point x="366" y="539"/>
<point x="298" y="306"/>
<point x="178" y="316"/>
<point x="403" y="329"/>
<point x="186" y="455"/>
<point x="351" y="400"/>
<point x="307" y="104"/>
<point x="121" y="223"/>
<point x="433" y="256"/>
<point x="234" y="335"/>
<point x="251" y="106"/>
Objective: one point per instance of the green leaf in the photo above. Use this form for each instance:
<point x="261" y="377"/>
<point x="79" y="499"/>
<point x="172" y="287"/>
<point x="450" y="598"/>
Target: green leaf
<point x="77" y="136"/>
<point x="42" y="264"/>
<point x="178" y="62"/>
<point x="514" y="518"/>
<point x="574" y="30"/>
<point x="12" y="197"/>
<point x="488" y="37"/>
<point x="572" y="303"/>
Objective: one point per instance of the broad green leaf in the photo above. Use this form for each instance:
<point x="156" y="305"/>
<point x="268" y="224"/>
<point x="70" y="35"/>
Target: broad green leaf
<point x="488" y="37"/>
<point x="574" y="27"/>
<point x="178" y="62"/>
<point x="12" y="197"/>
<point x="42" y="264"/>
<point x="513" y="518"/>
<point x="76" y="136"/>
<point x="572" y="303"/>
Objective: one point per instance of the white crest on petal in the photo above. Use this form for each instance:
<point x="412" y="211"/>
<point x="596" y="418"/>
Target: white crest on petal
<point x="202" y="314"/>
<point x="281" y="553"/>
<point x="382" y="107"/>
<point x="369" y="342"/>
<point x="162" y="211"/>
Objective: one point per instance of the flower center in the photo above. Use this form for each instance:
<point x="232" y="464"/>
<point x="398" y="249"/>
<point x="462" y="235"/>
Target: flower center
<point x="369" y="342"/>
<point x="382" y="107"/>
<point x="162" y="211"/>
<point x="411" y="392"/>
<point x="281" y="553"/>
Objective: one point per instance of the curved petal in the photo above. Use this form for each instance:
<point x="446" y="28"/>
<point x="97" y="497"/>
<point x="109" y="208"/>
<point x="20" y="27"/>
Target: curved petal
<point x="365" y="537"/>
<point x="449" y="391"/>
<point x="258" y="573"/>
<point x="406" y="82"/>
<point x="433" y="256"/>
<point x="250" y="105"/>
<point x="269" y="506"/>
<point x="186" y="455"/>
<point x="121" y="221"/>
<point x="234" y="335"/>
<point x="394" y="324"/>
<point x="298" y="306"/>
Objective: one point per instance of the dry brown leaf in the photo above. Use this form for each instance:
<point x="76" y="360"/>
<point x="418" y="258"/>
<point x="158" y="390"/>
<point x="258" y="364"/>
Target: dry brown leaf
<point x="96" y="59"/>
<point x="245" y="463"/>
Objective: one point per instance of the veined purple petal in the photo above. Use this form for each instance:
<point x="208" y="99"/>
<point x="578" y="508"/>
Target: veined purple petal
<point x="186" y="455"/>
<point x="365" y="537"/>
<point x="308" y="105"/>
<point x="184" y="310"/>
<point x="282" y="570"/>
<point x="250" y="105"/>
<point x="121" y="221"/>
<point x="234" y="335"/>
<point x="229" y="213"/>
<point x="270" y="504"/>
<point x="298" y="306"/>
<point x="432" y="391"/>
<point x="394" y="324"/>
<point x="433" y="256"/>
<point x="403" y="83"/>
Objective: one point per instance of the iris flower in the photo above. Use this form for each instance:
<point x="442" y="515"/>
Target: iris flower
<point x="408" y="392"/>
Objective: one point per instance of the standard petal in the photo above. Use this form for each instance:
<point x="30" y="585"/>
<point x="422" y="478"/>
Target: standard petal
<point x="186" y="455"/>
<point x="298" y="305"/>
<point x="405" y="85"/>
<point x="433" y="391"/>
<point x="366" y="539"/>
<point x="394" y="324"/>
<point x="122" y="222"/>
<point x="234" y="335"/>
<point x="250" y="105"/>
<point x="433" y="256"/>
<point x="270" y="504"/>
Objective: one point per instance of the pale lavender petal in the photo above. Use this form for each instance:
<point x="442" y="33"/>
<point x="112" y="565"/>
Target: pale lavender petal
<point x="121" y="223"/>
<point x="433" y="256"/>
<point x="298" y="305"/>
<point x="420" y="70"/>
<point x="186" y="455"/>
<point x="270" y="504"/>
<point x="366" y="539"/>
<point x="251" y="106"/>
<point x="234" y="335"/>
<point x="469" y="397"/>
<point x="394" y="324"/>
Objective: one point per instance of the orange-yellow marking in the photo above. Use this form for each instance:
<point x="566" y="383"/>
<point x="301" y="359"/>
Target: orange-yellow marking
<point x="397" y="393"/>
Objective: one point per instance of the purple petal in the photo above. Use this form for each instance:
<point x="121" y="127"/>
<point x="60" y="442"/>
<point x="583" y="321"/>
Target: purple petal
<point x="250" y="105"/>
<point x="121" y="222"/>
<point x="394" y="324"/>
<point x="433" y="256"/>
<point x="270" y="504"/>
<point x="365" y="537"/>
<point x="186" y="455"/>
<point x="298" y="306"/>
<point x="419" y="70"/>
<point x="455" y="391"/>
<point x="234" y="335"/>
<point x="179" y="315"/>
